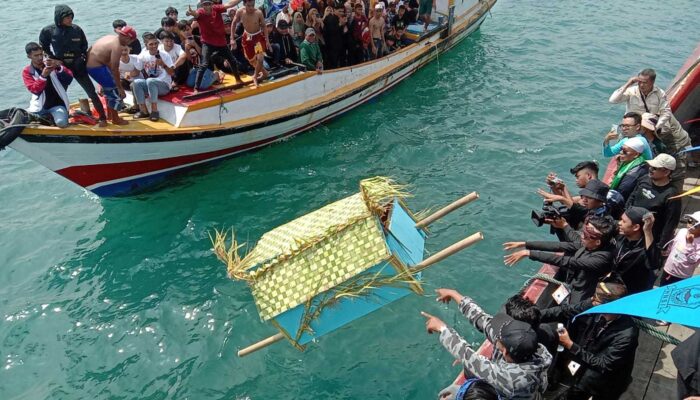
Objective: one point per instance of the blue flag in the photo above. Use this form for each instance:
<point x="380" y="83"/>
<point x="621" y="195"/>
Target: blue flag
<point x="678" y="303"/>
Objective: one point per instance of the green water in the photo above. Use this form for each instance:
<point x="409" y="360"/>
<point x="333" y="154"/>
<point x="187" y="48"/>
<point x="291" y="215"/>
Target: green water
<point x="121" y="298"/>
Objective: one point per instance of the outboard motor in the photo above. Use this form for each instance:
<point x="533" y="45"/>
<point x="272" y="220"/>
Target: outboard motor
<point x="12" y="123"/>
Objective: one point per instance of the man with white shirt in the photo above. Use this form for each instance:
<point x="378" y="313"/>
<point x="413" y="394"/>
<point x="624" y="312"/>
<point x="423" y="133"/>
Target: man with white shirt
<point x="641" y="95"/>
<point x="177" y="55"/>
<point x="157" y="68"/>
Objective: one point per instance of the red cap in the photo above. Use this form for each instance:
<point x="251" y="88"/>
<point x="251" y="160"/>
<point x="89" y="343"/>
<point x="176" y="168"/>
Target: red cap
<point x="127" y="31"/>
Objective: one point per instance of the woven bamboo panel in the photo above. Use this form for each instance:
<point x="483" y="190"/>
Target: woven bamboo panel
<point x="328" y="263"/>
<point x="285" y="239"/>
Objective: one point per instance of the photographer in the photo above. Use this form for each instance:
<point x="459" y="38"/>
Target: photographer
<point x="585" y="260"/>
<point x="157" y="68"/>
<point x="592" y="202"/>
<point x="47" y="81"/>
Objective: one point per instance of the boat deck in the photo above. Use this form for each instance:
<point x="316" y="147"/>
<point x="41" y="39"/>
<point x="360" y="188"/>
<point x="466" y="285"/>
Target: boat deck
<point x="654" y="375"/>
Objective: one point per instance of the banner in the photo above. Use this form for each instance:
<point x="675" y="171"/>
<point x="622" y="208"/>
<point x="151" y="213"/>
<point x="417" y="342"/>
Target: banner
<point x="678" y="303"/>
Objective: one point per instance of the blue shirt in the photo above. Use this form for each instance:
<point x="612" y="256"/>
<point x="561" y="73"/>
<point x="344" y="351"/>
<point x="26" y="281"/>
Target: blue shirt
<point x="609" y="151"/>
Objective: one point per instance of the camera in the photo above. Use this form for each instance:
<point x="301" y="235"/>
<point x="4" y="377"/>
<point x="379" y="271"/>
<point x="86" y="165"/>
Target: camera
<point x="157" y="56"/>
<point x="555" y="181"/>
<point x="549" y="211"/>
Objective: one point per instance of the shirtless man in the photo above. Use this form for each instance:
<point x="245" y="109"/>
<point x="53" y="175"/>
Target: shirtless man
<point x="376" y="29"/>
<point x="103" y="66"/>
<point x="255" y="39"/>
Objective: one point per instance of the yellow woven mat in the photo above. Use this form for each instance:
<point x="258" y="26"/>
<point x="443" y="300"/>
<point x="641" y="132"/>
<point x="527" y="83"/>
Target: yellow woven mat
<point x="316" y="269"/>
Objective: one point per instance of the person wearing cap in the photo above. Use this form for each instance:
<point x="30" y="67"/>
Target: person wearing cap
<point x="583" y="172"/>
<point x="648" y="131"/>
<point x="630" y="126"/>
<point x="630" y="167"/>
<point x="135" y="46"/>
<point x="213" y="37"/>
<point x="48" y="82"/>
<point x="103" y="66"/>
<point x="641" y="95"/>
<point x="654" y="192"/>
<point x="684" y="256"/>
<point x="310" y="52"/>
<point x="281" y="37"/>
<point x="518" y="367"/>
<point x="591" y="201"/>
<point x="599" y="348"/>
<point x="582" y="260"/>
<point x="65" y="42"/>
<point x="634" y="255"/>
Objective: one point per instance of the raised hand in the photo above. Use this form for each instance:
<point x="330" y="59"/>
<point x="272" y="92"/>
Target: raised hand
<point x="445" y="295"/>
<point x="513" y="245"/>
<point x="514" y="258"/>
<point x="432" y="324"/>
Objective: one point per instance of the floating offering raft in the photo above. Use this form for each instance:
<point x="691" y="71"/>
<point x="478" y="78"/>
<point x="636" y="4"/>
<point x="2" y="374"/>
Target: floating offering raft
<point x="334" y="265"/>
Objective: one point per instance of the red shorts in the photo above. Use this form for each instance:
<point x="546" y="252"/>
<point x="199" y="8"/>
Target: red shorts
<point x="253" y="44"/>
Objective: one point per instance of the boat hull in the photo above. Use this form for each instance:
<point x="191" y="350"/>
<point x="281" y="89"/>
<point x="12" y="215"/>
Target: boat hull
<point x="117" y="165"/>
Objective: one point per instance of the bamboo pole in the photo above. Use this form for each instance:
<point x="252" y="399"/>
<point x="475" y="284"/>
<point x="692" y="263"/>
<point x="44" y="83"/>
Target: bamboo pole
<point x="446" y="252"/>
<point x="447" y="209"/>
<point x="261" y="344"/>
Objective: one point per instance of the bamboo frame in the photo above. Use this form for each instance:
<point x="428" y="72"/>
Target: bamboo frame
<point x="446" y="210"/>
<point x="261" y="344"/>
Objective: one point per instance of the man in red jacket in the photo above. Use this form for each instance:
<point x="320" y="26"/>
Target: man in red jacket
<point x="213" y="36"/>
<point x="47" y="80"/>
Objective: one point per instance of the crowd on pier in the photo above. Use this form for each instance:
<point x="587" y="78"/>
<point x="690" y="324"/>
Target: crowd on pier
<point x="216" y="39"/>
<point x="617" y="237"/>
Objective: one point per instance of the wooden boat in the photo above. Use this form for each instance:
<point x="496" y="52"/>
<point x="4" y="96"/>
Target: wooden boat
<point x="118" y="160"/>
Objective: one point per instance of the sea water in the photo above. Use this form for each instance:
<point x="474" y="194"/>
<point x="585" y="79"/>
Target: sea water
<point x="122" y="298"/>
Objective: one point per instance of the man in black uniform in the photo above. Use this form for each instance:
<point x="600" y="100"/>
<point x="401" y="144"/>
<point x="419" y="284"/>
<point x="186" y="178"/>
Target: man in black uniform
<point x="67" y="43"/>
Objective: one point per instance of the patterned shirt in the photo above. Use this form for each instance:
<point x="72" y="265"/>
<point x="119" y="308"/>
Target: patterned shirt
<point x="527" y="380"/>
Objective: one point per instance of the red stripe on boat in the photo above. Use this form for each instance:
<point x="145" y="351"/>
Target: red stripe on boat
<point x="88" y="175"/>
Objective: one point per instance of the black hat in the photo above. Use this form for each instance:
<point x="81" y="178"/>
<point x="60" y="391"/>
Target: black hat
<point x="518" y="337"/>
<point x="282" y="24"/>
<point x="636" y="214"/>
<point x="269" y="21"/>
<point x="595" y="189"/>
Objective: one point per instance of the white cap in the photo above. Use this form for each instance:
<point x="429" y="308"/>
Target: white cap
<point x="663" y="161"/>
<point x="635" y="144"/>
<point x="694" y="216"/>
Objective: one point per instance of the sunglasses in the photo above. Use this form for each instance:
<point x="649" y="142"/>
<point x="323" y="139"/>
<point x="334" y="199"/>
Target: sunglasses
<point x="652" y="169"/>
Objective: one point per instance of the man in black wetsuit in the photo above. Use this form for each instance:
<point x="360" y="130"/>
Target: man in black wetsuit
<point x="67" y="43"/>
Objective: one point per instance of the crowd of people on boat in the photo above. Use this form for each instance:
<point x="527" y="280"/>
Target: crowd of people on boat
<point x="616" y="238"/>
<point x="197" y="52"/>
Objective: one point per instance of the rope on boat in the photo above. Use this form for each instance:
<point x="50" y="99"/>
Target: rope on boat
<point x="654" y="332"/>
<point x="642" y="325"/>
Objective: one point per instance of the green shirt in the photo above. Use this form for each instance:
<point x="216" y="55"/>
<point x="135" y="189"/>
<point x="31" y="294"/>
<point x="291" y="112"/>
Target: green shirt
<point x="310" y="54"/>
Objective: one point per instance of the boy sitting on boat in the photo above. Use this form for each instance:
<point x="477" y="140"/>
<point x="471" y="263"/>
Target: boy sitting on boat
<point x="157" y="69"/>
<point x="47" y="81"/>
